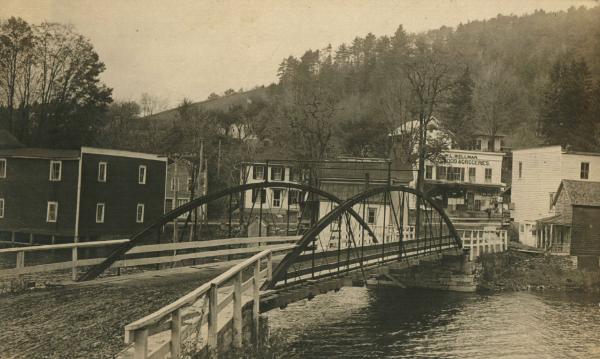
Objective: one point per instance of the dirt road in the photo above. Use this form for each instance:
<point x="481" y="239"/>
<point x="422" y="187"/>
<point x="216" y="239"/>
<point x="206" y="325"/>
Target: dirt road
<point x="86" y="321"/>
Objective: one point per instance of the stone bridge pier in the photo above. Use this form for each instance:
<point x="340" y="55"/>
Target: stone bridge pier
<point x="449" y="270"/>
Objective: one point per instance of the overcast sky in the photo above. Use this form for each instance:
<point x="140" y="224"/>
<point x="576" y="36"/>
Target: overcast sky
<point x="190" y="48"/>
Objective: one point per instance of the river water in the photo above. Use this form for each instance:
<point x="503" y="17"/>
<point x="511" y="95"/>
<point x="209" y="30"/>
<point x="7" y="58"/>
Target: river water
<point x="399" y="323"/>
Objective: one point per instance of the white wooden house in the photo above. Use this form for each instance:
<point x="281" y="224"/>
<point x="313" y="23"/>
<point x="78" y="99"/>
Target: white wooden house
<point x="536" y="176"/>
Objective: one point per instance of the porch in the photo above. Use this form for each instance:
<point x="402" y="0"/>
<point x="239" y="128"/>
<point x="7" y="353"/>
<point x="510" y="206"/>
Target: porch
<point x="554" y="235"/>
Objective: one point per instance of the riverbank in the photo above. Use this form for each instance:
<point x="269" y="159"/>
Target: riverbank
<point x="516" y="271"/>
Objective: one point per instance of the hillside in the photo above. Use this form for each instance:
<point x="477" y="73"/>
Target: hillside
<point x="224" y="103"/>
<point x="498" y="73"/>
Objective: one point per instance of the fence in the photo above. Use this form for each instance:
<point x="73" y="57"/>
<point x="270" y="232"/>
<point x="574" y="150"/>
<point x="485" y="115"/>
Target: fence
<point x="392" y="233"/>
<point x="206" y="309"/>
<point x="211" y="249"/>
<point x="483" y="241"/>
<point x="560" y="249"/>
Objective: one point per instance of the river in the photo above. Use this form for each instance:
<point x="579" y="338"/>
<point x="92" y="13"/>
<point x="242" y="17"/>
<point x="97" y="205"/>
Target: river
<point x="398" y="323"/>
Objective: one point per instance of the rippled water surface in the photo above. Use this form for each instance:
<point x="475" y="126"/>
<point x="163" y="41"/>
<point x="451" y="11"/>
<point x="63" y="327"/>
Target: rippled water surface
<point x="396" y="323"/>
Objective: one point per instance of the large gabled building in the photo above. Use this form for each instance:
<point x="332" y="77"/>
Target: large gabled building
<point x="536" y="176"/>
<point x="342" y="177"/>
<point x="469" y="182"/>
<point x="50" y="195"/>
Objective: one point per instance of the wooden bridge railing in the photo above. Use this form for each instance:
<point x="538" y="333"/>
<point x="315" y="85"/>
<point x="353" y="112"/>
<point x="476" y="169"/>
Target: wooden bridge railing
<point x="211" y="249"/>
<point x="180" y="318"/>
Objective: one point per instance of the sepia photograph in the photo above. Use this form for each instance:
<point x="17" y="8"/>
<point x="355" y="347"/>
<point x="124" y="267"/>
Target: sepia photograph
<point x="299" y="179"/>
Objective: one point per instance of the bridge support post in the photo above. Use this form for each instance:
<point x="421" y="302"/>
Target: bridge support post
<point x="237" y="311"/>
<point x="176" y="334"/>
<point x="213" y="319"/>
<point x="140" y="338"/>
<point x="20" y="260"/>
<point x="74" y="263"/>
<point x="270" y="266"/>
<point x="256" y="303"/>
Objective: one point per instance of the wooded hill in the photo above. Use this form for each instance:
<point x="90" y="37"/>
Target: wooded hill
<point x="497" y="78"/>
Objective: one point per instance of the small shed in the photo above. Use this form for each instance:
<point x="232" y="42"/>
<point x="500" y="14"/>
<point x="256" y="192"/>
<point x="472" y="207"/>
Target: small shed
<point x="575" y="227"/>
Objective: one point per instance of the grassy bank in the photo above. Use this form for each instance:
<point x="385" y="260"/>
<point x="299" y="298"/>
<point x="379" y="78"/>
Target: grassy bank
<point x="517" y="271"/>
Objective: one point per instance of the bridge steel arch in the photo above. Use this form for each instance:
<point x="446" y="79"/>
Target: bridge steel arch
<point x="308" y="238"/>
<point x="137" y="238"/>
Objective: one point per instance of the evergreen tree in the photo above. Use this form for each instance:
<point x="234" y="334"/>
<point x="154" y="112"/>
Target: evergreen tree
<point x="458" y="114"/>
<point x="566" y="115"/>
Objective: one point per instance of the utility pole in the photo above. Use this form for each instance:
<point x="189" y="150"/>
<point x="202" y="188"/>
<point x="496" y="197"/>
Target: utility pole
<point x="174" y="180"/>
<point x="204" y="191"/>
<point x="219" y="160"/>
<point x="195" y="185"/>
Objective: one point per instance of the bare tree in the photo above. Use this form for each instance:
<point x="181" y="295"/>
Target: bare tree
<point x="311" y="118"/>
<point x="16" y="45"/>
<point x="428" y="73"/>
<point x="149" y="104"/>
<point x="497" y="101"/>
<point x="402" y="127"/>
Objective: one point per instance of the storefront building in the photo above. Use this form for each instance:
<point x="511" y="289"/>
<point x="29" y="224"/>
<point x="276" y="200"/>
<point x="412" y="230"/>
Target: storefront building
<point x="468" y="185"/>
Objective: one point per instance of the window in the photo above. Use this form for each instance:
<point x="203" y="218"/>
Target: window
<point x="551" y="197"/>
<point x="174" y="184"/>
<point x="258" y="172"/>
<point x="277" y="173"/>
<point x="585" y="170"/>
<point x="478" y="145"/>
<point x="102" y="172"/>
<point x="168" y="204"/>
<point x="294" y="174"/>
<point x="256" y="195"/>
<point x="520" y="169"/>
<point x="372" y="216"/>
<point x="522" y="228"/>
<point x="491" y="145"/>
<point x="456" y="174"/>
<point x="190" y="184"/>
<point x="52" y="212"/>
<point x="336" y="223"/>
<point x="2" y="167"/>
<point x="99" y="212"/>
<point x="276" y="198"/>
<point x="293" y="197"/>
<point x="142" y="174"/>
<point x="55" y="170"/>
<point x="472" y="174"/>
<point x="306" y="174"/>
<point x="428" y="172"/>
<point x="441" y="173"/>
<point x="1" y="207"/>
<point x="488" y="175"/>
<point x="181" y="202"/>
<point x="139" y="214"/>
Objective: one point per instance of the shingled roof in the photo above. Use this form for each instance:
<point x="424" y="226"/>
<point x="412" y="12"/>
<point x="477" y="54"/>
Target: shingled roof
<point x="580" y="193"/>
<point x="45" y="153"/>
